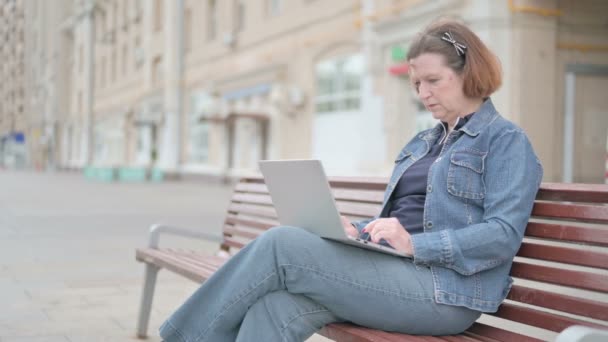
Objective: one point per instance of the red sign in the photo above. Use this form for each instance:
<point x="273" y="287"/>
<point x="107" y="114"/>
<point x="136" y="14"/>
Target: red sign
<point x="399" y="69"/>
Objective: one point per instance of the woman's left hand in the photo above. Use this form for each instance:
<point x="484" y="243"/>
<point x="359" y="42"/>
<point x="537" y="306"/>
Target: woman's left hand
<point x="391" y="230"/>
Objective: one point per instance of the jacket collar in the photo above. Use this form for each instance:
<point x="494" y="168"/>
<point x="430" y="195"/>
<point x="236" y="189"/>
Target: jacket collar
<point x="486" y="114"/>
<point x="483" y="117"/>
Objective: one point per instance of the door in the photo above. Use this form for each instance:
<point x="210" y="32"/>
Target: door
<point x="144" y="145"/>
<point x="586" y="125"/>
<point x="337" y="123"/>
<point x="591" y="129"/>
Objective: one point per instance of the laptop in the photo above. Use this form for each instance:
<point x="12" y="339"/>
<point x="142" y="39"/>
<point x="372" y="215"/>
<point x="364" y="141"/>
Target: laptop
<point x="302" y="198"/>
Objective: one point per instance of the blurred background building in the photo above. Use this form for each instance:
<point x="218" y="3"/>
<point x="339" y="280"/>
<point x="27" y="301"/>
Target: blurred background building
<point x="208" y="88"/>
<point x="13" y="152"/>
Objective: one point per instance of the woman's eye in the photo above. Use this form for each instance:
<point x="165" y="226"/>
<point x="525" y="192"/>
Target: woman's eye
<point x="434" y="80"/>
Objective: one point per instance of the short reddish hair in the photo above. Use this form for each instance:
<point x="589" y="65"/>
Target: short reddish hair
<point x="479" y="67"/>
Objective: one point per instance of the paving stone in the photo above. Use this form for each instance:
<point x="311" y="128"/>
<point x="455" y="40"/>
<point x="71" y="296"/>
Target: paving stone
<point x="47" y="338"/>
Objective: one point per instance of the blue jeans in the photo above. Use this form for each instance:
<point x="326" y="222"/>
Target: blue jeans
<point x="288" y="283"/>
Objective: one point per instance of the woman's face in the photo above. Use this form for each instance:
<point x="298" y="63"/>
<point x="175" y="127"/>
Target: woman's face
<point x="438" y="87"/>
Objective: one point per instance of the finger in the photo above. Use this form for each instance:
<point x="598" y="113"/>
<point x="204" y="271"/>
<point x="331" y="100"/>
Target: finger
<point x="379" y="235"/>
<point x="370" y="226"/>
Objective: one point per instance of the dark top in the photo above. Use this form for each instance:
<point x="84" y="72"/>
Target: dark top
<point x="407" y="200"/>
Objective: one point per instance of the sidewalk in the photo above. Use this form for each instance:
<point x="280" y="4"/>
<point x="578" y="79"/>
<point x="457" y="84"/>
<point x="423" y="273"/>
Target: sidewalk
<point x="67" y="266"/>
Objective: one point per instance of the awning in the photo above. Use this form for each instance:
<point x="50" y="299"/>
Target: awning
<point x="18" y="137"/>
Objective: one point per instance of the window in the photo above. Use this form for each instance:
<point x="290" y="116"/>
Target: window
<point x="202" y="104"/>
<point x="211" y="20"/>
<point x="115" y="16"/>
<point x="137" y="52"/>
<point x="339" y="84"/>
<point x="102" y="79"/>
<point x="125" y="12"/>
<point x="125" y="59"/>
<point x="239" y="15"/>
<point x="157" y="72"/>
<point x="275" y="7"/>
<point x="100" y="26"/>
<point x="113" y="66"/>
<point x="80" y="59"/>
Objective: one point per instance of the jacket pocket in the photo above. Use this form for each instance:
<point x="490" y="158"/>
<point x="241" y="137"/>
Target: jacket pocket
<point x="465" y="174"/>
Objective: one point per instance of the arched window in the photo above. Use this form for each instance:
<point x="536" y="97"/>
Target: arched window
<point x="339" y="84"/>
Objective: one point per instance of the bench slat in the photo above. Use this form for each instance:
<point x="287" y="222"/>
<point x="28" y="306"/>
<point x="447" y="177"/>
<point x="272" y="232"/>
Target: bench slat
<point x="252" y="198"/>
<point x="345" y="207"/>
<point x="568" y="192"/>
<point x="251" y="187"/>
<point x="496" y="334"/>
<point x="587" y="235"/>
<point x="204" y="265"/>
<point x="579" y="212"/>
<point x="553" y="275"/>
<point x="173" y="263"/>
<point x="249" y="222"/>
<point x="540" y="319"/>
<point x="458" y="338"/>
<point x="350" y="332"/>
<point x="560" y="302"/>
<point x="231" y="231"/>
<point x="233" y="243"/>
<point x="255" y="210"/>
<point x="213" y="263"/>
<point x="564" y="254"/>
<point x="596" y="193"/>
<point x="359" y="183"/>
<point x="361" y="209"/>
<point x="374" y="196"/>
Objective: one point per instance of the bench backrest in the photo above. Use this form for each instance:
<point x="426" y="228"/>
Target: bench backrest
<point x="561" y="269"/>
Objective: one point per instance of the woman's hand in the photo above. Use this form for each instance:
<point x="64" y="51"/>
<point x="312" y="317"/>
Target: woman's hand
<point x="349" y="228"/>
<point x="392" y="232"/>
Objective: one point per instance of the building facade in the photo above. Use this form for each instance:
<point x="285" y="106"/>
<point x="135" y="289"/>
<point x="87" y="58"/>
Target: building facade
<point x="13" y="150"/>
<point x="47" y="57"/>
<point x="210" y="87"/>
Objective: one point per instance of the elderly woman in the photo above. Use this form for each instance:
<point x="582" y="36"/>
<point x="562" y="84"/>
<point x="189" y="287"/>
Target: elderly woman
<point x="458" y="200"/>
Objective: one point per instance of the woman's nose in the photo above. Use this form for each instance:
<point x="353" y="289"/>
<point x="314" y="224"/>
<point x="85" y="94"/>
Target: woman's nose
<point x="423" y="92"/>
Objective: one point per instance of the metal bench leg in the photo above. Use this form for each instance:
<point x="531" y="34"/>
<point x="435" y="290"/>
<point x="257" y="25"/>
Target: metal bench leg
<point x="146" y="300"/>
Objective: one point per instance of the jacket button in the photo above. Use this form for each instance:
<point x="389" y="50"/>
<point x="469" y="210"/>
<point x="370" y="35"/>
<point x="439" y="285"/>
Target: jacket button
<point x="429" y="189"/>
<point x="429" y="224"/>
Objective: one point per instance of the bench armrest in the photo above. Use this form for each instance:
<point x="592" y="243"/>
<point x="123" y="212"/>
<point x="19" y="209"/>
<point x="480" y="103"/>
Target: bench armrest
<point x="157" y="229"/>
<point x="580" y="333"/>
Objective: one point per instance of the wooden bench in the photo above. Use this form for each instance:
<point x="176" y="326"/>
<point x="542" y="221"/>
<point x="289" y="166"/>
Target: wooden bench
<point x="561" y="271"/>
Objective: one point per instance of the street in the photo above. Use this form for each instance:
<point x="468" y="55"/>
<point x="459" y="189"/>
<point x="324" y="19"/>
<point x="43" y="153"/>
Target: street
<point x="67" y="265"/>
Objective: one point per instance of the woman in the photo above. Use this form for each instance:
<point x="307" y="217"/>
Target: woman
<point x="459" y="199"/>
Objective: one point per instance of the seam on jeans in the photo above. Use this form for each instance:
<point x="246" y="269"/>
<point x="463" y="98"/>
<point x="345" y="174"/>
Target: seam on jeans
<point x="360" y="285"/>
<point x="296" y="317"/>
<point x="180" y="335"/>
<point x="202" y="335"/>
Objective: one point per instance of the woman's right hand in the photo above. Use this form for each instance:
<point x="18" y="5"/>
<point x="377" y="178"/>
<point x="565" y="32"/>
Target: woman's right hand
<point x="349" y="229"/>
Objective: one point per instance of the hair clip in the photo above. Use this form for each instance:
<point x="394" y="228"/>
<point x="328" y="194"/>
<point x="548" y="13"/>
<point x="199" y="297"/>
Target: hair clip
<point x="460" y="48"/>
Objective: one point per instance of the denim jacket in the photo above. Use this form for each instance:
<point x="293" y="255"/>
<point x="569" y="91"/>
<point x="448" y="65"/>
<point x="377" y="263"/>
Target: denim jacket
<point x="480" y="194"/>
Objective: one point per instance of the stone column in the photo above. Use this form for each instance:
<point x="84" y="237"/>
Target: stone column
<point x="170" y="150"/>
<point x="533" y="69"/>
<point x="88" y="28"/>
